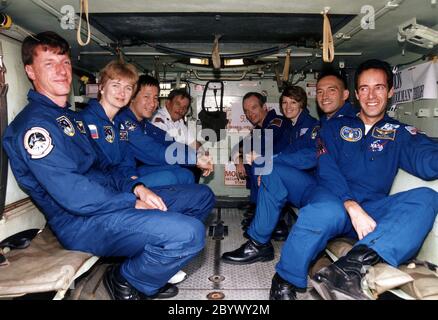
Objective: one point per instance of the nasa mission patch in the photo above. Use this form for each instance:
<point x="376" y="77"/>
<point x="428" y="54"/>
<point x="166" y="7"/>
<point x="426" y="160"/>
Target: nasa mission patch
<point x="109" y="133"/>
<point x="351" y="134"/>
<point x="37" y="142"/>
<point x="66" y="126"/>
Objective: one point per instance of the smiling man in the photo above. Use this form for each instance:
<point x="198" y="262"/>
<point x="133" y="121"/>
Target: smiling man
<point x="171" y="117"/>
<point x="358" y="158"/>
<point x="171" y="120"/>
<point x="332" y="96"/>
<point x="148" y="143"/>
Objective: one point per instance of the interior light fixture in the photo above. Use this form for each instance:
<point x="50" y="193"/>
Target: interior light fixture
<point x="202" y="61"/>
<point x="233" y="62"/>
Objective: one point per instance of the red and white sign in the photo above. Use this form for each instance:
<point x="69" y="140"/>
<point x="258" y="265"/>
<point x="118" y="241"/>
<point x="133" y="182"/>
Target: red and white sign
<point x="311" y="90"/>
<point x="231" y="178"/>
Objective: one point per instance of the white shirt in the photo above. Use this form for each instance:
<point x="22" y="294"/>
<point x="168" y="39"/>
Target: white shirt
<point x="176" y="129"/>
<point x="367" y="128"/>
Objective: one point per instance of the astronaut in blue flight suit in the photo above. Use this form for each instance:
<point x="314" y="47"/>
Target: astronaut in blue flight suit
<point x="358" y="158"/>
<point x="298" y="160"/>
<point x="109" y="137"/>
<point x="87" y="208"/>
<point x="255" y="109"/>
<point x="293" y="170"/>
<point x="150" y="146"/>
<point x="301" y="134"/>
<point x="331" y="96"/>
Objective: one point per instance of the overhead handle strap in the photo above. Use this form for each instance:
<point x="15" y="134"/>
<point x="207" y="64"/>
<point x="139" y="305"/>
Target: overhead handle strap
<point x="286" y="68"/>
<point x="83" y="9"/>
<point x="328" y="48"/>
<point x="215" y="56"/>
<point x="120" y="55"/>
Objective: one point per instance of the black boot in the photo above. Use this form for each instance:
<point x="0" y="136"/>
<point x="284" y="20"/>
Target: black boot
<point x="342" y="279"/>
<point x="283" y="290"/>
<point x="281" y="231"/>
<point x="120" y="289"/>
<point x="246" y="223"/>
<point x="250" y="211"/>
<point x="250" y="252"/>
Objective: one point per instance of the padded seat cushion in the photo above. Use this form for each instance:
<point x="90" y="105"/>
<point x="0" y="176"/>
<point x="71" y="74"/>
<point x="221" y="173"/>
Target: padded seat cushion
<point x="43" y="266"/>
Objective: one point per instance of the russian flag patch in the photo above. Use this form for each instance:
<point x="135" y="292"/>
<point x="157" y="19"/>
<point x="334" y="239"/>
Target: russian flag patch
<point x="93" y="131"/>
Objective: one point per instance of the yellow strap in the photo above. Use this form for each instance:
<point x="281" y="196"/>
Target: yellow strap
<point x="6" y="21"/>
<point x="215" y="56"/>
<point x="286" y="68"/>
<point x="84" y="8"/>
<point x="328" y="49"/>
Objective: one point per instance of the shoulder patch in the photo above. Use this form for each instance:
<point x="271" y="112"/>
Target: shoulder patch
<point x="315" y="132"/>
<point x="123" y="135"/>
<point x="158" y="119"/>
<point x="130" y="125"/>
<point x="80" y="126"/>
<point x="93" y="131"/>
<point x="378" y="145"/>
<point x="412" y="130"/>
<point x="321" y="149"/>
<point x="351" y="134"/>
<point x="276" y="122"/>
<point x="37" y="142"/>
<point x="380" y="133"/>
<point x="390" y="126"/>
<point x="66" y="126"/>
<point x="109" y="133"/>
<point x="303" y="131"/>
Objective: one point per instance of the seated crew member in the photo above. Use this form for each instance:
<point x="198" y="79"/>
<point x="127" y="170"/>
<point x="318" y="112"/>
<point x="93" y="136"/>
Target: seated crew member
<point x="332" y="100"/>
<point x="358" y="158"/>
<point x="109" y="136"/>
<point x="293" y="102"/>
<point x="292" y="178"/>
<point x="170" y="119"/>
<point x="148" y="143"/>
<point x="87" y="208"/>
<point x="256" y="111"/>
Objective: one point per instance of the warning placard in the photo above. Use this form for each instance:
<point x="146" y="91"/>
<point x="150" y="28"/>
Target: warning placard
<point x="230" y="176"/>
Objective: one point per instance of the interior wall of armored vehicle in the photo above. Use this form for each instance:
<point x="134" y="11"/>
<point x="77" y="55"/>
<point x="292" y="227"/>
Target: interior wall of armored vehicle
<point x="17" y="99"/>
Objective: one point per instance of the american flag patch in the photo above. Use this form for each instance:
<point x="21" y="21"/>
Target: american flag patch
<point x="303" y="131"/>
<point x="93" y="131"/>
<point x="321" y="149"/>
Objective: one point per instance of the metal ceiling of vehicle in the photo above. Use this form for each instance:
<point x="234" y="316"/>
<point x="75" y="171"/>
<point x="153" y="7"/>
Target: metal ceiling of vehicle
<point x="270" y="28"/>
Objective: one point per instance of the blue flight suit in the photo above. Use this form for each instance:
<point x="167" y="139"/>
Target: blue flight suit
<point x="157" y="133"/>
<point x="356" y="166"/>
<point x="293" y="175"/>
<point x="280" y="127"/>
<point x="161" y="136"/>
<point x="149" y="149"/>
<point x="286" y="182"/>
<point x="110" y="139"/>
<point x="90" y="210"/>
<point x="347" y="110"/>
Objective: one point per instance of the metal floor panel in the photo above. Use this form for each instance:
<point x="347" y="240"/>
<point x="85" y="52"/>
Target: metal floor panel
<point x="241" y="282"/>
